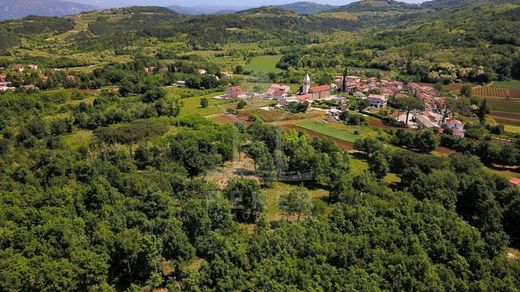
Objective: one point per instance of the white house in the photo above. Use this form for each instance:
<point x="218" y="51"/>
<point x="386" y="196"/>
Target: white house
<point x="428" y="120"/>
<point x="18" y="68"/>
<point x="4" y="86"/>
<point x="457" y="127"/>
<point x="377" y="100"/>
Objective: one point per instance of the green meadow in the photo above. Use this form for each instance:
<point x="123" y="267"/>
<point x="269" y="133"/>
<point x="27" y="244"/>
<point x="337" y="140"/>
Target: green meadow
<point x="264" y="64"/>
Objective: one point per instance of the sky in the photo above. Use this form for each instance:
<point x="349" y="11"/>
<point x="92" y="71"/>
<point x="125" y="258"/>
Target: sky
<point x="209" y="3"/>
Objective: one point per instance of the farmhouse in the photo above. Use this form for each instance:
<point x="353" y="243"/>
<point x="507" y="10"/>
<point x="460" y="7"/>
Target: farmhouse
<point x="226" y="74"/>
<point x="428" y="120"/>
<point x="4" y="86"/>
<point x="277" y="91"/>
<point x="284" y="101"/>
<point x="457" y="127"/>
<point x="515" y="181"/>
<point x="33" y="67"/>
<point x="30" y="87"/>
<point x="377" y="100"/>
<point x="150" y="69"/>
<point x="236" y="92"/>
<point x="18" y="67"/>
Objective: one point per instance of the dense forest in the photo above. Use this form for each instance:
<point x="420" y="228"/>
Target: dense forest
<point x="104" y="217"/>
<point x="107" y="170"/>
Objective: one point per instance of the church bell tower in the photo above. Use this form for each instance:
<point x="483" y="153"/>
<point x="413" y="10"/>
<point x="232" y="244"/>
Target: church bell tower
<point x="306" y="84"/>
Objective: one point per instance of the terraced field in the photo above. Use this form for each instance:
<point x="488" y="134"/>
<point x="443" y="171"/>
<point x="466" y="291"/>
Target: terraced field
<point x="496" y="92"/>
<point x="505" y="111"/>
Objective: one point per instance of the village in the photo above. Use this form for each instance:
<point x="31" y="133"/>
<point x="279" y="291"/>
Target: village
<point x="26" y="85"/>
<point x="374" y="93"/>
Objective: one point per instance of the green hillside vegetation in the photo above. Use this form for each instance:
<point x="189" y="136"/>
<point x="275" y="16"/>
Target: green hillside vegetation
<point x="264" y="64"/>
<point x="306" y="7"/>
<point x="114" y="177"/>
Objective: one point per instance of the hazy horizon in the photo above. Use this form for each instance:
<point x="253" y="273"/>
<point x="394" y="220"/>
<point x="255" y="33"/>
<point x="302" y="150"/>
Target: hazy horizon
<point x="209" y="3"/>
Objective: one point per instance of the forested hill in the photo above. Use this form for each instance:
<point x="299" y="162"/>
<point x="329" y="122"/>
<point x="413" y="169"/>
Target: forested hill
<point x="476" y="41"/>
<point x="123" y="168"/>
<point x="451" y="4"/>
<point x="306" y="7"/>
<point x="378" y="6"/>
<point x="12" y="9"/>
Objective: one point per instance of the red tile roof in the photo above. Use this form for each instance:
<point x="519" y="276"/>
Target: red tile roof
<point x="304" y="97"/>
<point x="236" y="91"/>
<point x="320" y="88"/>
<point x="454" y="122"/>
<point x="515" y="181"/>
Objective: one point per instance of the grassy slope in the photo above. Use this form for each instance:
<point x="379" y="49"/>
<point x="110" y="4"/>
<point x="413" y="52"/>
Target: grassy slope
<point x="264" y="64"/>
<point x="505" y="111"/>
<point x="279" y="189"/>
<point x="191" y="105"/>
<point x="511" y="84"/>
<point x="337" y="130"/>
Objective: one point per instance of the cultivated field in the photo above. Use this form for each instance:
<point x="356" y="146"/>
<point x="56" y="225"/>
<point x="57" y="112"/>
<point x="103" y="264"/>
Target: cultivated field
<point x="264" y="64"/>
<point x="452" y="87"/>
<point x="496" y="92"/>
<point x="343" y="135"/>
<point x="505" y="111"/>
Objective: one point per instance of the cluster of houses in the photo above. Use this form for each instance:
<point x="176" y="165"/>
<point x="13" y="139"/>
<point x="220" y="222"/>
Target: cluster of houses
<point x="431" y="117"/>
<point x="282" y="93"/>
<point x="6" y="85"/>
<point x="379" y="92"/>
<point x="376" y="92"/>
<point x="182" y="83"/>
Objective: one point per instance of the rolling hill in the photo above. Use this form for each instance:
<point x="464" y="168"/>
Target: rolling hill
<point x="377" y="11"/>
<point x="198" y="10"/>
<point x="377" y="6"/>
<point x="13" y="9"/>
<point x="306" y="7"/>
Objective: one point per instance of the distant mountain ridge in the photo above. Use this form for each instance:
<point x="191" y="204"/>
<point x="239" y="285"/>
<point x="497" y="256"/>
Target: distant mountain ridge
<point x="13" y="9"/>
<point x="306" y="7"/>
